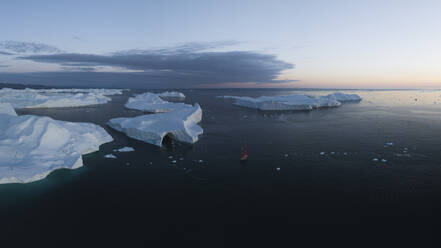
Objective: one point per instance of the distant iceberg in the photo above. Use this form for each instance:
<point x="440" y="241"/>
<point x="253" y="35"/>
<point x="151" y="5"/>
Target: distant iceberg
<point x="293" y="102"/>
<point x="341" y="97"/>
<point x="172" y="94"/>
<point x="51" y="98"/>
<point x="179" y="124"/>
<point x="33" y="146"/>
<point x="150" y="102"/>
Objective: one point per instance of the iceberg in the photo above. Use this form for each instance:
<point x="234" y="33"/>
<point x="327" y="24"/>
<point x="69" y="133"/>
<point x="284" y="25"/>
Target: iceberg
<point x="32" y="146"/>
<point x="293" y="102"/>
<point x="341" y="97"/>
<point x="179" y="124"/>
<point x="51" y="98"/>
<point x="150" y="102"/>
<point x="172" y="94"/>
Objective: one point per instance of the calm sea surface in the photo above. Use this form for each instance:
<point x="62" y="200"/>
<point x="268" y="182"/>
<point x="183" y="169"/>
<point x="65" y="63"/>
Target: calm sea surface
<point x="326" y="175"/>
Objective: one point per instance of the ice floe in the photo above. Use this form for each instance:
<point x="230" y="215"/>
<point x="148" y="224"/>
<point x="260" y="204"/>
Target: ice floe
<point x="179" y="124"/>
<point x="50" y="98"/>
<point x="172" y="94"/>
<point x="32" y="146"/>
<point x="293" y="102"/>
<point x="125" y="149"/>
<point x="150" y="102"/>
<point x="109" y="156"/>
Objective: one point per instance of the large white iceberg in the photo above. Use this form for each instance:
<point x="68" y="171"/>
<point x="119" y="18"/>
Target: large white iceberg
<point x="33" y="146"/>
<point x="293" y="102"/>
<point x="179" y="124"/>
<point x="172" y="94"/>
<point x="49" y="98"/>
<point x="150" y="102"/>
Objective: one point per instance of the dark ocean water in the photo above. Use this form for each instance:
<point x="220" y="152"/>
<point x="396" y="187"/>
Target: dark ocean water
<point x="142" y="199"/>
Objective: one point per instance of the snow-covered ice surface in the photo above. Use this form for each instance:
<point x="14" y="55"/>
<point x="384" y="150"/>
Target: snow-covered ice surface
<point x="126" y="149"/>
<point x="293" y="102"/>
<point x="150" y="102"/>
<point x="180" y="124"/>
<point x="50" y="98"/>
<point x="6" y="108"/>
<point x="33" y="146"/>
<point x="172" y="94"/>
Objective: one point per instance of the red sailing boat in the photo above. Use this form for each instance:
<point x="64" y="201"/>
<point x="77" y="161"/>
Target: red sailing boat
<point x="244" y="156"/>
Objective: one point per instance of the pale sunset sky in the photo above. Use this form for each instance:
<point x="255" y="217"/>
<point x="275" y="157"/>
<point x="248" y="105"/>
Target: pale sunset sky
<point x="247" y="43"/>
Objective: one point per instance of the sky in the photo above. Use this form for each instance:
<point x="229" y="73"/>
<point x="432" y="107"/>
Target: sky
<point x="247" y="43"/>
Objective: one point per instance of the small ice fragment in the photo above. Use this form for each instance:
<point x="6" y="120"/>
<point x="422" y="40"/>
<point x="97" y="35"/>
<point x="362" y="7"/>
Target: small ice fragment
<point x="200" y="161"/>
<point x="109" y="156"/>
<point x="286" y="155"/>
<point x="332" y="153"/>
<point x="345" y="153"/>
<point x="173" y="161"/>
<point x="389" y="144"/>
<point x="375" y="159"/>
<point x="126" y="149"/>
<point x="278" y="169"/>
<point x="181" y="159"/>
<point x="322" y="153"/>
<point x="384" y="160"/>
<point x="170" y="157"/>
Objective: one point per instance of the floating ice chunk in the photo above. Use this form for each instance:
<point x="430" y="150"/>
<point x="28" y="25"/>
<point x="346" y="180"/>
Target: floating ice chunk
<point x="384" y="160"/>
<point x="150" y="102"/>
<point x="170" y="157"/>
<point x="375" y="159"/>
<point x="293" y="102"/>
<point x="109" y="156"/>
<point x="30" y="98"/>
<point x="332" y="153"/>
<point x="126" y="149"/>
<point x="172" y="94"/>
<point x="322" y="153"/>
<point x="286" y="155"/>
<point x="180" y="124"/>
<point x="173" y="161"/>
<point x="200" y="161"/>
<point x="278" y="169"/>
<point x="389" y="144"/>
<point x="33" y="146"/>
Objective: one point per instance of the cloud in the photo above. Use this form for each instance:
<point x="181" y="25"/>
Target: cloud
<point x="185" y="65"/>
<point x="6" y="53"/>
<point x="27" y="47"/>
